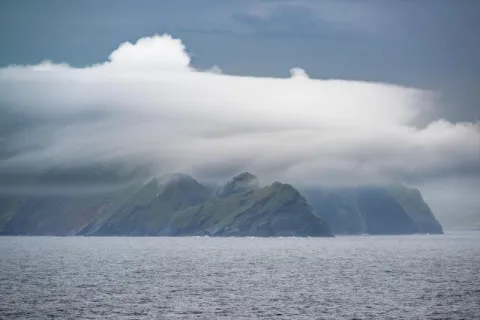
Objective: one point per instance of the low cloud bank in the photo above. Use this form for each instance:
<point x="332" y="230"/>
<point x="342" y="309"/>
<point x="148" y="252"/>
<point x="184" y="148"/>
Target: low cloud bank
<point x="147" y="106"/>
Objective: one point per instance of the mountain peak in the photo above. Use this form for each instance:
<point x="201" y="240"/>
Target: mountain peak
<point x="245" y="177"/>
<point x="286" y="192"/>
<point x="173" y="177"/>
<point x="240" y="183"/>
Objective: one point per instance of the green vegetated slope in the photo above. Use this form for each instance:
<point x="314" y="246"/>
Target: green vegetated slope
<point x="275" y="210"/>
<point x="149" y="210"/>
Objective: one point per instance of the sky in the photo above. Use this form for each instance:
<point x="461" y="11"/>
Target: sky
<point x="311" y="92"/>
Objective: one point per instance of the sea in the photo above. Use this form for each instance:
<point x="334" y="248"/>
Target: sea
<point x="346" y="277"/>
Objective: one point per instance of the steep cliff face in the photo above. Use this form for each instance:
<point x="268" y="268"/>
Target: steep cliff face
<point x="374" y="210"/>
<point x="417" y="209"/>
<point x="240" y="183"/>
<point x="339" y="209"/>
<point x="275" y="210"/>
<point x="382" y="213"/>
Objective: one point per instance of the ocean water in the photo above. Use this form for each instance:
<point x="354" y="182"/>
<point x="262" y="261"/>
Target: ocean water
<point x="362" y="277"/>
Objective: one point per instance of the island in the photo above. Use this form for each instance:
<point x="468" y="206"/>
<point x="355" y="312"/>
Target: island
<point x="179" y="205"/>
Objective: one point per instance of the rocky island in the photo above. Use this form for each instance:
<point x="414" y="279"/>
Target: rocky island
<point x="179" y="205"/>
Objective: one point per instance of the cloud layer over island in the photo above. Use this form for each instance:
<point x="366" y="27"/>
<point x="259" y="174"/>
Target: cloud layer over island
<point x="147" y="105"/>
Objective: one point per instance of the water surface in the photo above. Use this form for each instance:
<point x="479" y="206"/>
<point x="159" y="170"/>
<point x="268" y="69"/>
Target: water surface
<point x="364" y="277"/>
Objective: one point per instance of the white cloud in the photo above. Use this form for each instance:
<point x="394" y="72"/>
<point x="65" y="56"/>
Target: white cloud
<point x="151" y="53"/>
<point x="153" y="107"/>
<point x="298" y="73"/>
<point x="216" y="69"/>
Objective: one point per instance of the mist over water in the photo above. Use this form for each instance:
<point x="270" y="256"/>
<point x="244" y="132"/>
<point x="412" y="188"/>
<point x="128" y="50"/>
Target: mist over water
<point x="371" y="277"/>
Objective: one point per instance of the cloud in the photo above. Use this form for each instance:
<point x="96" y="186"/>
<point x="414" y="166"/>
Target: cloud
<point x="148" y="106"/>
<point x="151" y="53"/>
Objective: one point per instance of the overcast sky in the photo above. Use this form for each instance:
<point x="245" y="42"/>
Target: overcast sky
<point x="206" y="98"/>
